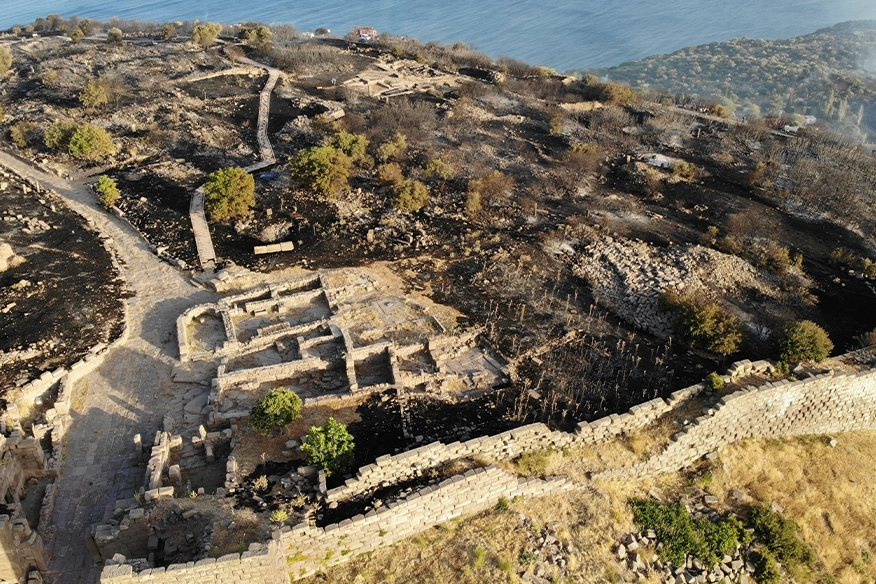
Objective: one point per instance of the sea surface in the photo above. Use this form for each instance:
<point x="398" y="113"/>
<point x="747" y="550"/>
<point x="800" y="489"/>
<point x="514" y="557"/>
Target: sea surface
<point x="560" y="34"/>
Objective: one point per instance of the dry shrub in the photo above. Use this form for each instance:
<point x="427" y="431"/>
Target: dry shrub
<point x="246" y="529"/>
<point x="274" y="232"/>
<point x="611" y="117"/>
<point x="389" y="174"/>
<point x="413" y="118"/>
<point x="827" y="491"/>
<point x="866" y="339"/>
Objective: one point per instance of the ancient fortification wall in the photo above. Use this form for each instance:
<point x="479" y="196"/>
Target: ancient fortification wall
<point x="310" y="549"/>
<point x="825" y="403"/>
<point x="264" y="565"/>
<point x="822" y="404"/>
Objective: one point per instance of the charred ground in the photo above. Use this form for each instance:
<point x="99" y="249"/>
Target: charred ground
<point x="570" y="157"/>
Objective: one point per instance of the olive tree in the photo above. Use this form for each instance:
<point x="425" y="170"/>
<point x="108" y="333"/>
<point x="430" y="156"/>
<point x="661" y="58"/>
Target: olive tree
<point x="229" y="192"/>
<point x="329" y="447"/>
<point x="280" y="407"/>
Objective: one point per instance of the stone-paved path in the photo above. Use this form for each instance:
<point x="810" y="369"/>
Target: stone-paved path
<point x="200" y="229"/>
<point x="129" y="393"/>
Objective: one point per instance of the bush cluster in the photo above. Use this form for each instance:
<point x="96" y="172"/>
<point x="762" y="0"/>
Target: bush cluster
<point x="410" y="195"/>
<point x="107" y="191"/>
<point x="85" y="141"/>
<point x="803" y="341"/>
<point x="779" y="534"/>
<point x="683" y="535"/>
<point x="703" y="325"/>
<point x="228" y="193"/>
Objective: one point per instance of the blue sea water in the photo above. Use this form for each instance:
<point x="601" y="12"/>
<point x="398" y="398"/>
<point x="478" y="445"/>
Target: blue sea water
<point x="556" y="33"/>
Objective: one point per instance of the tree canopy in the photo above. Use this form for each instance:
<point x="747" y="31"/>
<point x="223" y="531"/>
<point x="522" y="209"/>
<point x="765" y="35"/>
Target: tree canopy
<point x="322" y="169"/>
<point x="329" y="447"/>
<point x="229" y="193"/>
<point x="280" y="407"/>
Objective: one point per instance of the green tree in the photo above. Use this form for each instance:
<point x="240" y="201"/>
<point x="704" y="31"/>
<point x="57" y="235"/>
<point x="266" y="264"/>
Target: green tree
<point x="94" y="94"/>
<point x="91" y="142"/>
<point x="410" y="195"/>
<point x="804" y="341"/>
<point x="76" y="35"/>
<point x="279" y="408"/>
<point x="229" y="192"/>
<point x="57" y="137"/>
<point x="168" y="31"/>
<point x="206" y="34"/>
<point x="107" y="191"/>
<point x="5" y="59"/>
<point x="114" y="36"/>
<point x="439" y="170"/>
<point x="353" y="145"/>
<point x="330" y="447"/>
<point x="322" y="169"/>
<point x="393" y="148"/>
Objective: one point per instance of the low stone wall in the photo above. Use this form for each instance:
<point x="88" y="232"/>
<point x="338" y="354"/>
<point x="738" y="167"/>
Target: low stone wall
<point x="265" y="564"/>
<point x="821" y="404"/>
<point x="129" y="536"/>
<point x="267" y="373"/>
<point x="310" y="549"/>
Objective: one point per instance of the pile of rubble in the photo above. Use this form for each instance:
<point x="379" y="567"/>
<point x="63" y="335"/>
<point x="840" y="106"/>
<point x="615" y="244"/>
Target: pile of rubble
<point x="8" y="257"/>
<point x="636" y="554"/>
<point x="628" y="276"/>
<point x="545" y="557"/>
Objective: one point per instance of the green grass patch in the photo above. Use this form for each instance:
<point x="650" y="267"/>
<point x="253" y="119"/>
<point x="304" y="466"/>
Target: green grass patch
<point x="682" y="534"/>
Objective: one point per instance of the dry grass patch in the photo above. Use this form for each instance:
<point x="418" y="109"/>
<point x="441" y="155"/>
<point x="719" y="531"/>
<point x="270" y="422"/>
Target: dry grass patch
<point x="829" y="492"/>
<point x="481" y="549"/>
<point x="487" y="547"/>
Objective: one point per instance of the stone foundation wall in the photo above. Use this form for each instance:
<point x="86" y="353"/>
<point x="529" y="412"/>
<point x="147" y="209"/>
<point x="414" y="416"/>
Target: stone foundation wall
<point x="21" y="549"/>
<point x="265" y="565"/>
<point x="310" y="549"/>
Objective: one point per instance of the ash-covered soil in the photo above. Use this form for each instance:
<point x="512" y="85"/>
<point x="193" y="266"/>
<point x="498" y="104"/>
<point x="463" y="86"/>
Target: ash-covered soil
<point x="64" y="298"/>
<point x="572" y="167"/>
